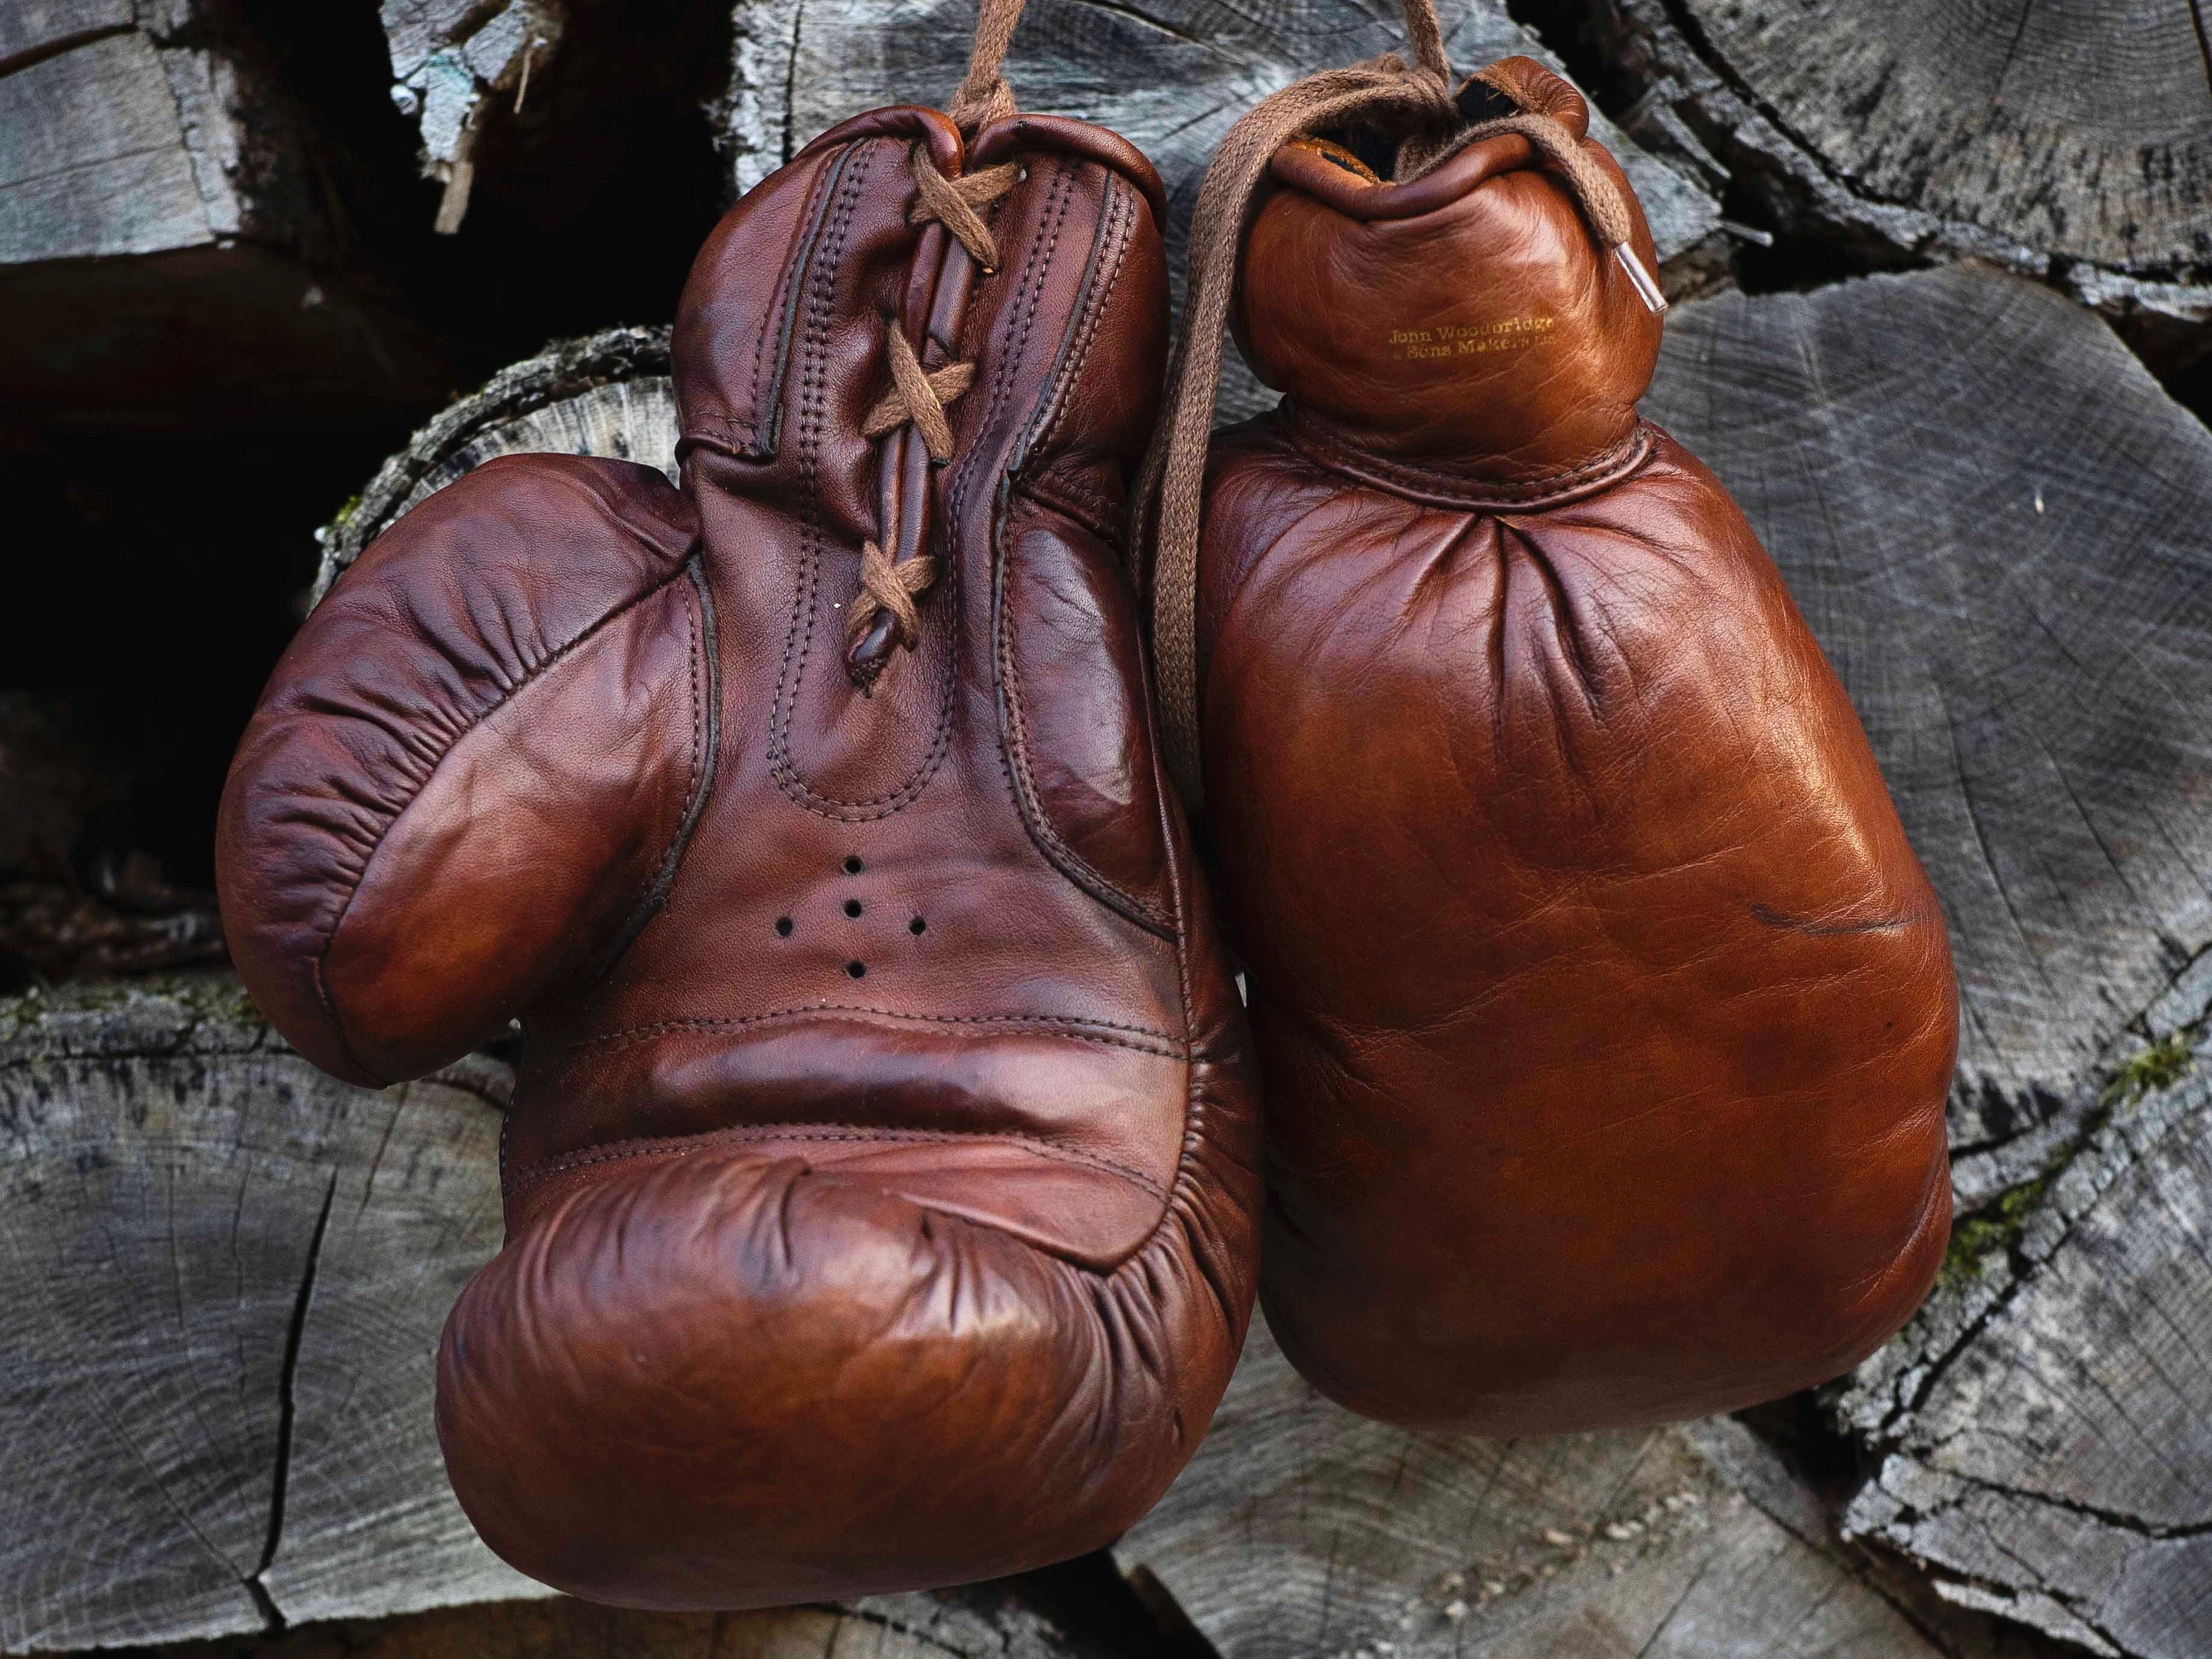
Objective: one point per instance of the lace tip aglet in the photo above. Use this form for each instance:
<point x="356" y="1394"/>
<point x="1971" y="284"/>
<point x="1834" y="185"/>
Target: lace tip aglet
<point x="1645" y="284"/>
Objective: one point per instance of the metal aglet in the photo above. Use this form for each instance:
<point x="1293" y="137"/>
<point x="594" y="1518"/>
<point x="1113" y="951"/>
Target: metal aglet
<point x="1645" y="284"/>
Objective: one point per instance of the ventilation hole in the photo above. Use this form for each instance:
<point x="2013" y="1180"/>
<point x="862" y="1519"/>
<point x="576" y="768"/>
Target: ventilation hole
<point x="852" y="906"/>
<point x="853" y="866"/>
<point x="783" y="926"/>
<point x="856" y="969"/>
<point x="917" y="927"/>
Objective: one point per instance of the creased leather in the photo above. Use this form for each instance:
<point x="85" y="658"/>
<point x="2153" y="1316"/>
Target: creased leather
<point x="1606" y="1016"/>
<point x="881" y="1182"/>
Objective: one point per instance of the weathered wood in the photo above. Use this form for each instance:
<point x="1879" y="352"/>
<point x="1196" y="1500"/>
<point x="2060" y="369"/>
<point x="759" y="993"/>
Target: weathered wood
<point x="1993" y="519"/>
<point x="558" y="1628"/>
<point x="1171" y="78"/>
<point x="161" y="216"/>
<point x="607" y="394"/>
<point x="450" y="60"/>
<point x="992" y="1624"/>
<point x="2064" y="139"/>
<point x="1302" y="1532"/>
<point x="224" y="1278"/>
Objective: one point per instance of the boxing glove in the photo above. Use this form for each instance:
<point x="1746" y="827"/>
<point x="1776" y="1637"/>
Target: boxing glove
<point x="1605" y="1017"/>
<point x="880" y="1185"/>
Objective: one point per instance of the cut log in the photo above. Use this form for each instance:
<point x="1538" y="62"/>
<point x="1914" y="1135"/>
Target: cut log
<point x="1170" y="78"/>
<point x="2062" y="138"/>
<point x="1993" y="519"/>
<point x="995" y="1623"/>
<point x="165" y="234"/>
<point x="1302" y="1532"/>
<point x="226" y="1276"/>
<point x="608" y="394"/>
<point x="558" y="1628"/>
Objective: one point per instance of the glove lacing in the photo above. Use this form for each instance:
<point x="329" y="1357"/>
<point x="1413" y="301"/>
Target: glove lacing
<point x="884" y="612"/>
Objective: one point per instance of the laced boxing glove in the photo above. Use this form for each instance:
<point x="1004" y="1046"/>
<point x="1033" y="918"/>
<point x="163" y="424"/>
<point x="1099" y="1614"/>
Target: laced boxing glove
<point x="1605" y="1016"/>
<point x="880" y="1185"/>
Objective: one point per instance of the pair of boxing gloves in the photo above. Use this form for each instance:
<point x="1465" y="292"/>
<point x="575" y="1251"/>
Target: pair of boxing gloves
<point x="886" y="1185"/>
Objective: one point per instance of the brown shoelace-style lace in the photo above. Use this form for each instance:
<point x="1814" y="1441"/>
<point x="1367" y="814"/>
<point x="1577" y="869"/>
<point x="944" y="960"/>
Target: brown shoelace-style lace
<point x="1415" y="98"/>
<point x="884" y="609"/>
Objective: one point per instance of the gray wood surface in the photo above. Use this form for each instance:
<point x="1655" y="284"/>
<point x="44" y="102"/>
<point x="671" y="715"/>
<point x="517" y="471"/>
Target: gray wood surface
<point x="993" y="1623"/>
<point x="2071" y="138"/>
<point x="169" y="251"/>
<point x="111" y="141"/>
<point x="1994" y="522"/>
<point x="224" y="1279"/>
<point x="1302" y="1532"/>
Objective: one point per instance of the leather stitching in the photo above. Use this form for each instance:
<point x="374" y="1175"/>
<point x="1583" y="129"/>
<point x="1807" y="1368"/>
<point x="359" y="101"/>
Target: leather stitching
<point x="1114" y="229"/>
<point x="683" y="1145"/>
<point x="1090" y="1031"/>
<point x="706" y="685"/>
<point x="1314" y="439"/>
<point x="804" y="620"/>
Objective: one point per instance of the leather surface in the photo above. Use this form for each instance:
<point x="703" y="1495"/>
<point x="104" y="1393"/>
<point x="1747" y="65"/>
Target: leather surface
<point x="881" y="1182"/>
<point x="1605" y="1015"/>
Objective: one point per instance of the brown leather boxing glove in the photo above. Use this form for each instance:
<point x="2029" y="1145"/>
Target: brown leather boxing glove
<point x="880" y="1183"/>
<point x="1606" y="1017"/>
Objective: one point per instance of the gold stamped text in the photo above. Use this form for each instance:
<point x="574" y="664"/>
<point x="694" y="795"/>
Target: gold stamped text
<point x="1452" y="340"/>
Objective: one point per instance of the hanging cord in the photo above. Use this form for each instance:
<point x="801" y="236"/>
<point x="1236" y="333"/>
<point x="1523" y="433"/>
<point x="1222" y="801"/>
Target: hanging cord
<point x="885" y="609"/>
<point x="1170" y="489"/>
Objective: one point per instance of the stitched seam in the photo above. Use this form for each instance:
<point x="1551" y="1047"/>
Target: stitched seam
<point x="1092" y="1030"/>
<point x="1093" y="510"/>
<point x="1033" y="812"/>
<point x="1326" y="449"/>
<point x="1028" y="293"/>
<point x="1054" y="205"/>
<point x="683" y="1145"/>
<point x="529" y="677"/>
<point x="822" y="269"/>
<point x="804" y="620"/>
<point x="704" y="728"/>
<point x="1039" y="822"/>
<point x="338" y="1024"/>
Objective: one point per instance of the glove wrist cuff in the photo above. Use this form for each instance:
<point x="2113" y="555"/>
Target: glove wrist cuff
<point x="1330" y="444"/>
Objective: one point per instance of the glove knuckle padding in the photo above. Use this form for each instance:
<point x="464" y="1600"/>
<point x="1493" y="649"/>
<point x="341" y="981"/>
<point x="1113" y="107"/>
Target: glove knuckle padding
<point x="1613" y="1089"/>
<point x="884" y="1212"/>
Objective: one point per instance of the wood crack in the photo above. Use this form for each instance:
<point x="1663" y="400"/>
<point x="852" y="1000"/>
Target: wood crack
<point x="54" y="48"/>
<point x="286" y="1410"/>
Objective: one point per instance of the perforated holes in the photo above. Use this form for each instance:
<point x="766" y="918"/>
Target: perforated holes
<point x="783" y="926"/>
<point x="852" y="907"/>
<point x="853" y="864"/>
<point x="856" y="970"/>
<point x="917" y="927"/>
